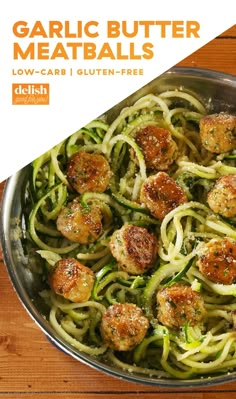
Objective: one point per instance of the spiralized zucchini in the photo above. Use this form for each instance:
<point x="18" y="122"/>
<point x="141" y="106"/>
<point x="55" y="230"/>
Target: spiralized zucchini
<point x="191" y="351"/>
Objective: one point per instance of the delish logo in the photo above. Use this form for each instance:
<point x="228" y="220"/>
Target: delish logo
<point x="30" y="93"/>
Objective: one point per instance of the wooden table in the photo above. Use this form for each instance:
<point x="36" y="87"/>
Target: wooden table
<point x="31" y="367"/>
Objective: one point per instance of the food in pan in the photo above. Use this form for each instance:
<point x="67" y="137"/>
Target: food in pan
<point x="132" y="226"/>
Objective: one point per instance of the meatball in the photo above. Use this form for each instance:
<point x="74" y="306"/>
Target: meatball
<point x="134" y="248"/>
<point x="179" y="304"/>
<point x="79" y="224"/>
<point x="123" y="326"/>
<point x="72" y="280"/>
<point x="218" y="132"/>
<point x="88" y="172"/>
<point x="161" y="194"/>
<point x="222" y="198"/>
<point x="217" y="260"/>
<point x="158" y="147"/>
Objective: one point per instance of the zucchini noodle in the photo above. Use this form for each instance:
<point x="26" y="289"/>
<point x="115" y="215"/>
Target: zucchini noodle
<point x="191" y="351"/>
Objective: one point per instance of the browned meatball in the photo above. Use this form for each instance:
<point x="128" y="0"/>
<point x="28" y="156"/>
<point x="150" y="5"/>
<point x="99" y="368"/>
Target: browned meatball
<point x="222" y="198"/>
<point x="161" y="194"/>
<point x="88" y="172"/>
<point x="123" y="326"/>
<point x="158" y="147"/>
<point x="217" y="260"/>
<point x="72" y="280"/>
<point x="179" y="304"/>
<point x="134" y="248"/>
<point x="218" y="132"/>
<point x="80" y="224"/>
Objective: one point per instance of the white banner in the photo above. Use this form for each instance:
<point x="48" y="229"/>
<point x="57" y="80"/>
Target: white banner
<point x="65" y="63"/>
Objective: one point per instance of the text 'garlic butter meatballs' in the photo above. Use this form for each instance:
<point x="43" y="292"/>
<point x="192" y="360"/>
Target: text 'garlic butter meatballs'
<point x="161" y="194"/>
<point x="158" y="147"/>
<point x="179" y="304"/>
<point x="80" y="224"/>
<point x="72" y="280"/>
<point x="134" y="248"/>
<point x="123" y="326"/>
<point x="217" y="260"/>
<point x="218" y="132"/>
<point x="88" y="172"/>
<point x="222" y="198"/>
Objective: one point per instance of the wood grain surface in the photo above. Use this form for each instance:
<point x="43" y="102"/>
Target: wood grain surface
<point x="31" y="367"/>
